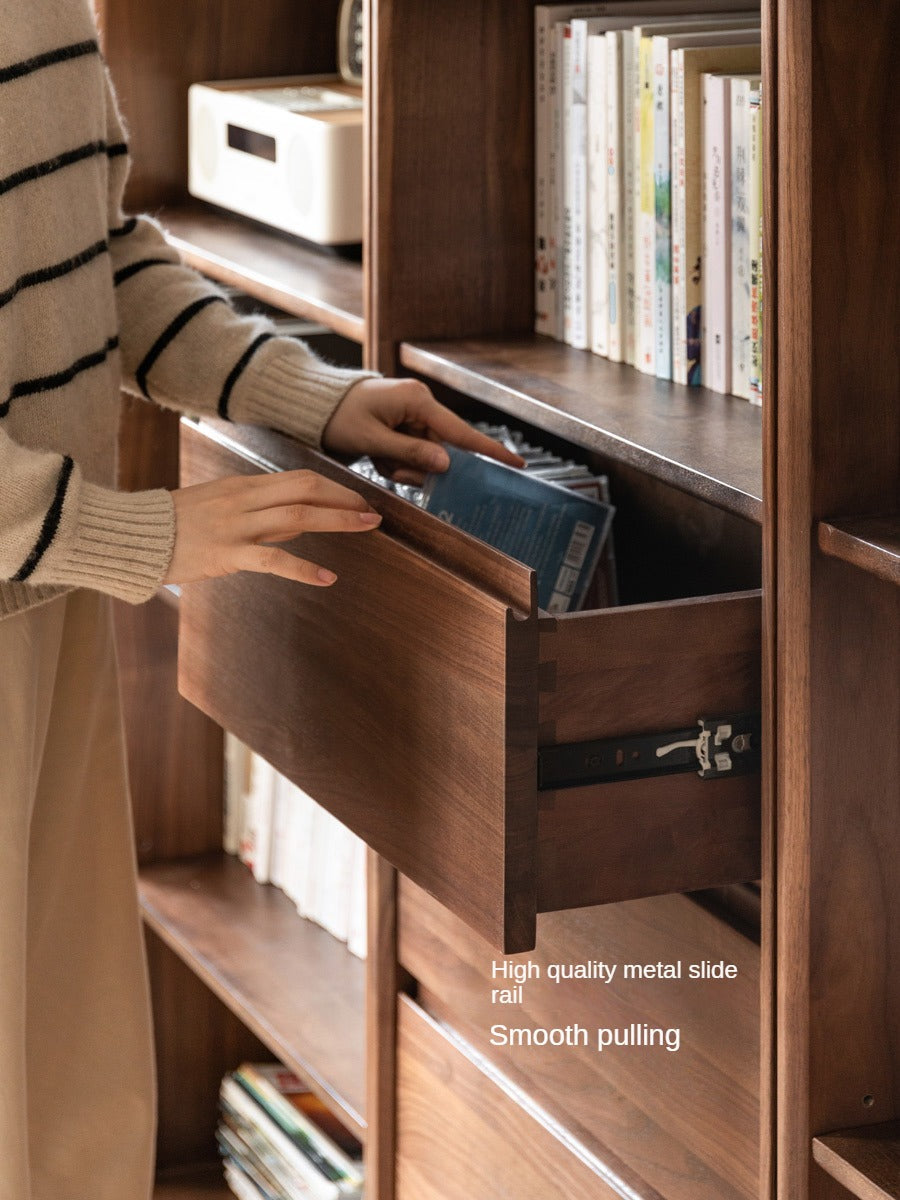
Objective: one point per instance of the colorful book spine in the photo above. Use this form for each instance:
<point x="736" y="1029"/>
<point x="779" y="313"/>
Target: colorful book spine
<point x="566" y="178"/>
<point x="756" y="224"/>
<point x="630" y="134"/>
<point x="662" y="207"/>
<point x="740" y="235"/>
<point x="646" y="231"/>
<point x="598" y="194"/>
<point x="688" y="64"/>
<point x="618" y="335"/>
<point x="717" y="233"/>
<point x="576" y="149"/>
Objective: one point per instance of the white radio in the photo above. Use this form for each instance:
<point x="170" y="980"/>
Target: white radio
<point x="287" y="152"/>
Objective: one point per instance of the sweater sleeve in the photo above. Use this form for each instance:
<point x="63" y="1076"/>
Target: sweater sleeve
<point x="59" y="531"/>
<point x="185" y="347"/>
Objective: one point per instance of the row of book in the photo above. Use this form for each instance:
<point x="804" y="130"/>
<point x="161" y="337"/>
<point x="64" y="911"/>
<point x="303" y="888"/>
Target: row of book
<point x="278" y="1141"/>
<point x="288" y="840"/>
<point x="648" y="188"/>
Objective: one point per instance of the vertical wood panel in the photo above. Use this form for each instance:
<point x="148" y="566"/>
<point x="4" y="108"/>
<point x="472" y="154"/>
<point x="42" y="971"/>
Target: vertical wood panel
<point x="381" y="1028"/>
<point x="452" y="161"/>
<point x="155" y="49"/>
<point x="837" y="451"/>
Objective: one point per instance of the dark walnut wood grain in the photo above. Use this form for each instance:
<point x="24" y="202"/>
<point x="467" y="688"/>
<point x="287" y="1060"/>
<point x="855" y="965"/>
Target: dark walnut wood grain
<point x="647" y="669"/>
<point x="157" y="49"/>
<point x="294" y="985"/>
<point x="406" y="700"/>
<point x="403" y="698"/>
<point x="682" y="1123"/>
<point x="462" y="1131"/>
<point x="451" y="161"/>
<point x="273" y="267"/>
<point x="865" y="1161"/>
<point x="870" y="543"/>
<point x="193" y="1183"/>
<point x="703" y="443"/>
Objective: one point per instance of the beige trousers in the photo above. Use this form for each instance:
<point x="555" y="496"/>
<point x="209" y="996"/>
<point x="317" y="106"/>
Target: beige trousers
<point x="77" y="1103"/>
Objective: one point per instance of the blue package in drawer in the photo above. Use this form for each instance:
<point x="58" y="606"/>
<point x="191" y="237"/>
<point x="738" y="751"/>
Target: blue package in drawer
<point x="548" y="527"/>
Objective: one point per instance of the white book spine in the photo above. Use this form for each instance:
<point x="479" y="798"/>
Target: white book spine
<point x="679" y="213"/>
<point x="717" y="234"/>
<point x="236" y="754"/>
<point x="662" y="196"/>
<point x="563" y="180"/>
<point x="755" y="247"/>
<point x="312" y="861"/>
<point x="544" y="242"/>
<point x="262" y="800"/>
<point x="598" y="193"/>
<point x="614" y="181"/>
<point x="357" y="932"/>
<point x="646" y="212"/>
<point x="335" y="908"/>
<point x="740" y="237"/>
<point x="282" y="808"/>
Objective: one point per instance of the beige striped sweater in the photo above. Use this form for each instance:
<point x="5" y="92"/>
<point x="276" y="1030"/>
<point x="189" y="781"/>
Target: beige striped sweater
<point x="91" y="300"/>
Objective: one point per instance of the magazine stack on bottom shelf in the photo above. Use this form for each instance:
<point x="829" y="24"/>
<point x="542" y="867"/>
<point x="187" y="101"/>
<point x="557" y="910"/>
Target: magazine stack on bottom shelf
<point x="279" y="1142"/>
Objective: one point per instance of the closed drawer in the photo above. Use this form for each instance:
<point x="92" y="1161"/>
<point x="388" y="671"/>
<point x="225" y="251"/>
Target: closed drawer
<point x="685" y="1121"/>
<point x="464" y="1131"/>
<point x="411" y="700"/>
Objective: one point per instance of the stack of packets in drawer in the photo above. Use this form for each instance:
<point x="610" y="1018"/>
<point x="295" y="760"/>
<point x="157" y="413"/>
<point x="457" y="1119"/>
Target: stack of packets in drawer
<point x="554" y="515"/>
<point x="278" y="1141"/>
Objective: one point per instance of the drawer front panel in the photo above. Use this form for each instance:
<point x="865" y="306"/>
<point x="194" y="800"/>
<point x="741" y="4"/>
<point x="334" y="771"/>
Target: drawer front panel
<point x="462" y="1132"/>
<point x="403" y="699"/>
<point x="647" y="669"/>
<point x="685" y="1121"/>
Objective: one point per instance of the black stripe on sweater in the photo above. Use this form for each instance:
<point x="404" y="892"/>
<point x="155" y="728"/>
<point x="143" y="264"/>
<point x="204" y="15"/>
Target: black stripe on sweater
<point x="123" y="230"/>
<point x="124" y="273"/>
<point x="170" y="332"/>
<point x="236" y="372"/>
<point x="49" y="383"/>
<point x="50" y="525"/>
<point x="39" y="61"/>
<point x="57" y="271"/>
<point x="51" y="165"/>
<point x="116" y="150"/>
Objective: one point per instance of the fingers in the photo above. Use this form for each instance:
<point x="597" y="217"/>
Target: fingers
<point x="268" y="491"/>
<point x="282" y="524"/>
<point x="269" y="560"/>
<point x="446" y="426"/>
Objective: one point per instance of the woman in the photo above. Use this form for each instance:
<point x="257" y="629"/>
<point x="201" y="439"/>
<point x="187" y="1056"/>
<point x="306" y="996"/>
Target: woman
<point x="90" y="299"/>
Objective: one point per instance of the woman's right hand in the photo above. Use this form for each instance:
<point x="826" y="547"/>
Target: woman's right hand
<point x="229" y="525"/>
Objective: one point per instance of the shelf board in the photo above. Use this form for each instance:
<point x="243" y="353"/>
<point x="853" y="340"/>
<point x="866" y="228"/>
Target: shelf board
<point x="701" y="442"/>
<point x="870" y="543"/>
<point x="192" y="1183"/>
<point x="271" y="266"/>
<point x="295" y="986"/>
<point x="866" y="1161"/>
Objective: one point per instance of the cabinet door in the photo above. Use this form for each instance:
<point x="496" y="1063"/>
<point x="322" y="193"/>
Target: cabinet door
<point x="410" y="699"/>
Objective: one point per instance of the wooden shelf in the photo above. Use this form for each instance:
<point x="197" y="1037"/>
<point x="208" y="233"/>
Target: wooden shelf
<point x="866" y="1161"/>
<point x="294" y="985"/>
<point x="702" y="443"/>
<point x="193" y="1183"/>
<point x="272" y="267"/>
<point x="870" y="543"/>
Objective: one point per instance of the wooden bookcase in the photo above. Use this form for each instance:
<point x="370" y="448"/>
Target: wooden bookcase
<point x="789" y="1085"/>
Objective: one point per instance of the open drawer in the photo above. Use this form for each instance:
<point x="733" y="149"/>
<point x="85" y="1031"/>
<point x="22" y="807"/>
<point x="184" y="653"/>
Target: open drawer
<point x="411" y="699"/>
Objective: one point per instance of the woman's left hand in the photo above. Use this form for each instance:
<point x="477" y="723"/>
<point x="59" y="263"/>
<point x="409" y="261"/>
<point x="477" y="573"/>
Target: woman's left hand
<point x="400" y="425"/>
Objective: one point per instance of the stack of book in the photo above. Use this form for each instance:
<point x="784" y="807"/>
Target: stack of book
<point x="279" y="1142"/>
<point x="566" y="538"/>
<point x="648" y="188"/>
<point x="288" y="840"/>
